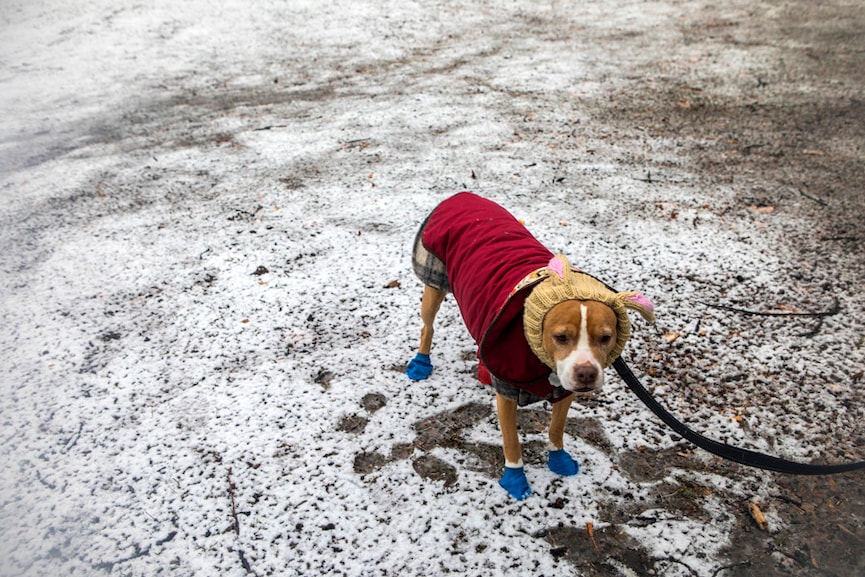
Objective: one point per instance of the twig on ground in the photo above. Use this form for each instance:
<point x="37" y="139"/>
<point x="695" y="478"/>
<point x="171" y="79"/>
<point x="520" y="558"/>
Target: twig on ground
<point x="732" y="566"/>
<point x="834" y="310"/>
<point x="682" y="563"/>
<point x="791" y="500"/>
<point x="813" y="331"/>
<point x="73" y="440"/>
<point x="746" y="150"/>
<point x="845" y="238"/>
<point x="231" y="489"/>
<point x="851" y="533"/>
<point x="244" y="562"/>
<point x="819" y="201"/>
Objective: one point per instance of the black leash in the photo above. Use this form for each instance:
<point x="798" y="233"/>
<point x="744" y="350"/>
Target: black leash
<point x="742" y="456"/>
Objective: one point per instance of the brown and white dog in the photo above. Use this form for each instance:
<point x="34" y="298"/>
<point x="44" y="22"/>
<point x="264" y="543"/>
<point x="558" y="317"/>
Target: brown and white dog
<point x="545" y="331"/>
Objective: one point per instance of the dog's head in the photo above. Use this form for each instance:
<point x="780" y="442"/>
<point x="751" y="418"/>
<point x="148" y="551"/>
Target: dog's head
<point x="578" y="326"/>
<point x="579" y="336"/>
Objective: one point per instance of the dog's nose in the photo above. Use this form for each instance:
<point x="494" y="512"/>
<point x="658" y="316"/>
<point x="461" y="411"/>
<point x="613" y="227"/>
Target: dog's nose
<point x="586" y="375"/>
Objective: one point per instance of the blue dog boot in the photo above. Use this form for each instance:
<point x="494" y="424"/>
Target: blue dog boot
<point x="515" y="483"/>
<point x="561" y="463"/>
<point x="419" y="368"/>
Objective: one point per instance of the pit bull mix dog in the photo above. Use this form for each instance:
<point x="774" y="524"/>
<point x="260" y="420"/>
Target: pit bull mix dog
<point x="545" y="331"/>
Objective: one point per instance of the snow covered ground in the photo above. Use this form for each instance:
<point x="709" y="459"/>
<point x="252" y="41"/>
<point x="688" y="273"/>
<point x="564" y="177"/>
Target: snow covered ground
<point x="207" y="300"/>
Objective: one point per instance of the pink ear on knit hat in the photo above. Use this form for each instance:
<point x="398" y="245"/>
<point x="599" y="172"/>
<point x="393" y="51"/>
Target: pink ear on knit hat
<point x="641" y="304"/>
<point x="557" y="265"/>
<point x="642" y="301"/>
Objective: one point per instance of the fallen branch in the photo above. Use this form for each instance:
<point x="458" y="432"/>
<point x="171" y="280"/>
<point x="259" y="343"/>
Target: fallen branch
<point x="835" y="308"/>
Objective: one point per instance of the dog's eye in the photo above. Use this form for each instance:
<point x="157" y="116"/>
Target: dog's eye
<point x="605" y="339"/>
<point x="561" y="338"/>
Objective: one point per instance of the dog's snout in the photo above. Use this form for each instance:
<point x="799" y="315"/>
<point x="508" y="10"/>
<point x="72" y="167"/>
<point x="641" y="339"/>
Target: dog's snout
<point x="586" y="375"/>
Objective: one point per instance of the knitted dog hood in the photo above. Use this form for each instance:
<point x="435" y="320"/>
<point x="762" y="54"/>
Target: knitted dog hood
<point x="562" y="283"/>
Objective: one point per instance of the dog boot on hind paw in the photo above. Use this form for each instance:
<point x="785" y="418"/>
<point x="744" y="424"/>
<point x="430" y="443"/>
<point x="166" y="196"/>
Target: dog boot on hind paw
<point x="515" y="483"/>
<point x="561" y="463"/>
<point x="419" y="368"/>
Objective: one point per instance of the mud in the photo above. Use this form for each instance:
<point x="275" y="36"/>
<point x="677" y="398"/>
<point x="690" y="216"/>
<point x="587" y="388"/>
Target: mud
<point x="821" y="517"/>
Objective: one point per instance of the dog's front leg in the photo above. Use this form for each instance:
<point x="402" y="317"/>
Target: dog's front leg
<point x="557" y="422"/>
<point x="510" y="437"/>
<point x="514" y="479"/>
<point x="560" y="461"/>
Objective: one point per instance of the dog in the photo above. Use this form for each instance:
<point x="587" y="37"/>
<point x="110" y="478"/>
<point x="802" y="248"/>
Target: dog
<point x="545" y="330"/>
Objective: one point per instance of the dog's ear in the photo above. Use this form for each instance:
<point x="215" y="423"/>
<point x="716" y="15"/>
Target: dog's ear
<point x="639" y="303"/>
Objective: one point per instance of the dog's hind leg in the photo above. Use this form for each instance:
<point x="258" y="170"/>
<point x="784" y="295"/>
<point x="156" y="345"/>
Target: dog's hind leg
<point x="429" y="308"/>
<point x="420" y="367"/>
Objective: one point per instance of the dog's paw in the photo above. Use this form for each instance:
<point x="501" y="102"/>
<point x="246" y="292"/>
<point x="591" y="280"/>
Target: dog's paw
<point x="419" y="368"/>
<point x="561" y="463"/>
<point x="515" y="483"/>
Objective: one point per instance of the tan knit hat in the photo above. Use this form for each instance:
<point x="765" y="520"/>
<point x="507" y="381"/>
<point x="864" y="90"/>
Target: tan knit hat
<point x="562" y="284"/>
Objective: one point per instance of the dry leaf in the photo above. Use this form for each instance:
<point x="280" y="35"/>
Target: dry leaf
<point x="590" y="529"/>
<point x="758" y="516"/>
<point x="762" y="209"/>
<point x="670" y="337"/>
<point x="392" y="284"/>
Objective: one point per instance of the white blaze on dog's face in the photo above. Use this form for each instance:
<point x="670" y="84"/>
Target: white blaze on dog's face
<point x="579" y="335"/>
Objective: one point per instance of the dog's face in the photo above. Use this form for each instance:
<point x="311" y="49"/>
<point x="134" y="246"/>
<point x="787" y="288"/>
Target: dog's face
<point x="579" y="335"/>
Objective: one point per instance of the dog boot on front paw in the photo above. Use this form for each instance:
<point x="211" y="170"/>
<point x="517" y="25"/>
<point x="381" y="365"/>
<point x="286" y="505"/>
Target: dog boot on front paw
<point x="419" y="368"/>
<point x="515" y="483"/>
<point x="561" y="463"/>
